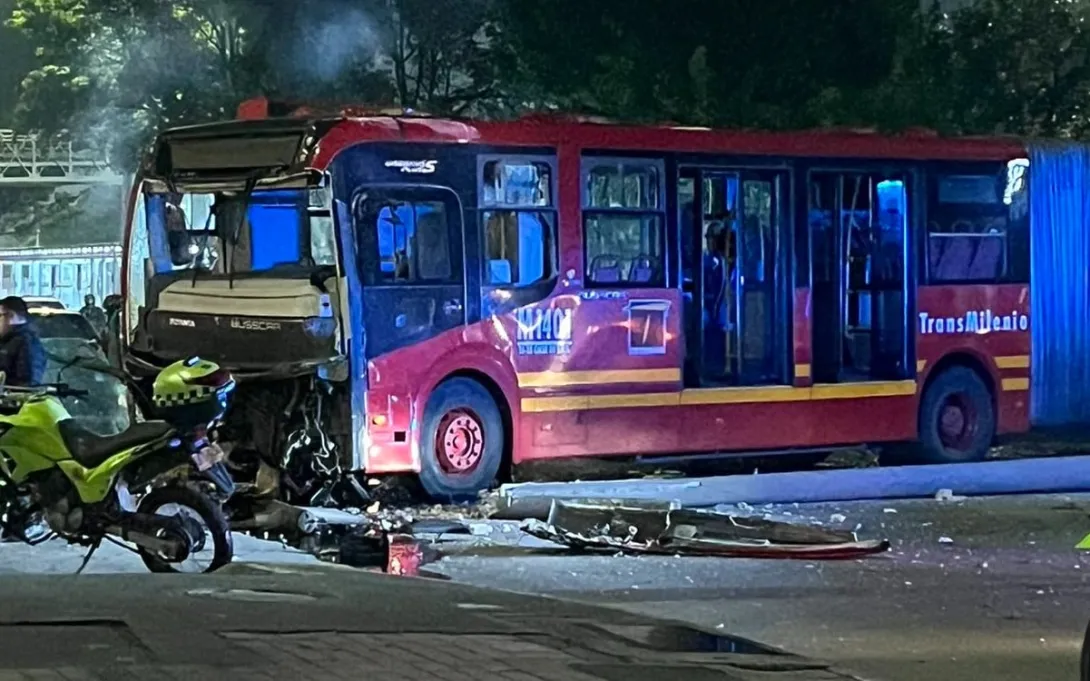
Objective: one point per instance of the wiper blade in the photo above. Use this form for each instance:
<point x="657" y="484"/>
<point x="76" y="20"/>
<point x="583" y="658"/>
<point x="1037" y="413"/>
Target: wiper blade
<point x="229" y="247"/>
<point x="230" y="239"/>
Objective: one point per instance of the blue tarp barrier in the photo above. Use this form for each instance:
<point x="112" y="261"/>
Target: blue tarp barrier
<point x="1059" y="192"/>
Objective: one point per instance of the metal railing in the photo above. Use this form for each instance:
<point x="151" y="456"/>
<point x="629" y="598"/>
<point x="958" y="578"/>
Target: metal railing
<point x="38" y="159"/>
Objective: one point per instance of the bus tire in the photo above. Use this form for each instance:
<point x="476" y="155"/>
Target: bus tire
<point x="461" y="442"/>
<point x="957" y="419"/>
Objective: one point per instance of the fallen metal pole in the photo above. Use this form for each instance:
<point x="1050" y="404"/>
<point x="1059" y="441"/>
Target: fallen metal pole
<point x="1024" y="476"/>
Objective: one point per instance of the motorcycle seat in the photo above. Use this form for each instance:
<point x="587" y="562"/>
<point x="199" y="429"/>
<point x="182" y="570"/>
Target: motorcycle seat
<point x="92" y="450"/>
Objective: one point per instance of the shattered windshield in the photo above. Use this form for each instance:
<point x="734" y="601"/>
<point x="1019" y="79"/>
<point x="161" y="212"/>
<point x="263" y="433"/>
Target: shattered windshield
<point x="72" y="353"/>
<point x="232" y="233"/>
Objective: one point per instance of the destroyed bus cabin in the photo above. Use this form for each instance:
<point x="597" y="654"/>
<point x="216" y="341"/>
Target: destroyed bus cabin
<point x="402" y="294"/>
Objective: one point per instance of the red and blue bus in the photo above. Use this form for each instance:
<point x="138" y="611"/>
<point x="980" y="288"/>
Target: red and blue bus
<point x="451" y="299"/>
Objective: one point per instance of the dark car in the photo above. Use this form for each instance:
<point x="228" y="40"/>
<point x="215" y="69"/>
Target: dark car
<point x="72" y="348"/>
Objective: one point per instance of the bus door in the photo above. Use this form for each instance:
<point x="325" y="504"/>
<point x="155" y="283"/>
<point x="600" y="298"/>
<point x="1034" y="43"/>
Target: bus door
<point x="410" y="256"/>
<point x="733" y="235"/>
<point x="858" y="223"/>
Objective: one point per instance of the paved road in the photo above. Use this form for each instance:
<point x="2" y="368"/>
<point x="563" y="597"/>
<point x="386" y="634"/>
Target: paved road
<point x="976" y="589"/>
<point x="297" y="622"/>
<point x="979" y="589"/>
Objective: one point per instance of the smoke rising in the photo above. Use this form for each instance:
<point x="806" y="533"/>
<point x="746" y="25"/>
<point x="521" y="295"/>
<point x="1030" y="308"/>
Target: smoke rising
<point x="155" y="74"/>
<point x="326" y="49"/>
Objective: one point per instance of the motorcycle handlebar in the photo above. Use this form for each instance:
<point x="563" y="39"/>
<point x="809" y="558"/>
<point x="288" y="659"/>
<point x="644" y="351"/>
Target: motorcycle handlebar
<point x="55" y="389"/>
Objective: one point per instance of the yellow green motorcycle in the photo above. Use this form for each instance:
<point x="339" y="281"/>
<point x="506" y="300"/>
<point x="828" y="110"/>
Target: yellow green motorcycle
<point x="83" y="486"/>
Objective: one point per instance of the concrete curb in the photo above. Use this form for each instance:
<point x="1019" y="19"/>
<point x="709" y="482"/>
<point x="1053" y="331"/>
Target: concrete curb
<point x="990" y="478"/>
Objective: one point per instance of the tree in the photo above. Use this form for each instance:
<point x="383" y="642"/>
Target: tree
<point x="117" y="70"/>
<point x="1019" y="67"/>
<point x="114" y="70"/>
<point x="438" y="53"/>
<point x="17" y="55"/>
<point x="49" y="216"/>
<point x="727" y="62"/>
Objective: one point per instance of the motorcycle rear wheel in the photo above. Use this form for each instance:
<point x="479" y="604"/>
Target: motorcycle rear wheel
<point x="216" y="529"/>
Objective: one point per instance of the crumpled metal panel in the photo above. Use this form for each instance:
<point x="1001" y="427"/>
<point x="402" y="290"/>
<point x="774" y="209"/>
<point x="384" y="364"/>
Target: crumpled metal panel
<point x="638" y="528"/>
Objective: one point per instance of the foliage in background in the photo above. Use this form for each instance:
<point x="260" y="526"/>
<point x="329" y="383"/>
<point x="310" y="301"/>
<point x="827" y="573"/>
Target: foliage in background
<point x="118" y="69"/>
<point x="48" y="217"/>
<point x="115" y="71"/>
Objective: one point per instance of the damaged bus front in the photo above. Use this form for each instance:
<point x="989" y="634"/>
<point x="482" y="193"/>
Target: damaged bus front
<point x="233" y="256"/>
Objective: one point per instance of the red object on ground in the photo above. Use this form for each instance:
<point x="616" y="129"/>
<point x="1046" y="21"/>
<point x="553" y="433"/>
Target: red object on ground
<point x="404" y="556"/>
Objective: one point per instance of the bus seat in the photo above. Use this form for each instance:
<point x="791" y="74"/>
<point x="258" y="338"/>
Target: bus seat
<point x="935" y="248"/>
<point x="956" y="259"/>
<point x="605" y="269"/>
<point x="641" y="271"/>
<point x="499" y="272"/>
<point x="988" y="261"/>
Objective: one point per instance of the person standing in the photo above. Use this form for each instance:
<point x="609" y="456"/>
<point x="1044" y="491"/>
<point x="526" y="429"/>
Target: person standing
<point x="94" y="315"/>
<point x="22" y="357"/>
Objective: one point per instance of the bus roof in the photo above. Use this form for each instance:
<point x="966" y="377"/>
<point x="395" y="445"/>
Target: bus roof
<point x="344" y="126"/>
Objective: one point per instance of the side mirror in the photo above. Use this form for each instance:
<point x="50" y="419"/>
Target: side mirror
<point x="113" y="303"/>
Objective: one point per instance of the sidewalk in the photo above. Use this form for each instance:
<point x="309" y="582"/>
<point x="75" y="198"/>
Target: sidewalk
<point x="265" y="622"/>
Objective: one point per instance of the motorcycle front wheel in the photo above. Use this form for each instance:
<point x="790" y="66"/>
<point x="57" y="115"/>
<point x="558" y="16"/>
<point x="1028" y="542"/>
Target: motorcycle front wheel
<point x="211" y="545"/>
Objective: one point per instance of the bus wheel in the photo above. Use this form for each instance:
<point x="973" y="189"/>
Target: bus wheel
<point x="957" y="418"/>
<point x="461" y="443"/>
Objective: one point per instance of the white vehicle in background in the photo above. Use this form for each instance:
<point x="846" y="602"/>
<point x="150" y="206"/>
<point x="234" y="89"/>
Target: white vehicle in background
<point x="43" y="302"/>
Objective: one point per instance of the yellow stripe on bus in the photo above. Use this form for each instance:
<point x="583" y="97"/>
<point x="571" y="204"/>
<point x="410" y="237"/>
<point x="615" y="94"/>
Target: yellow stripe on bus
<point x="559" y="379"/>
<point x="1015" y="384"/>
<point x="556" y="379"/>
<point x="1013" y="362"/>
<point x="708" y="396"/>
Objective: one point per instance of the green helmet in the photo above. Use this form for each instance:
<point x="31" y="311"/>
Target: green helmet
<point x="190" y="381"/>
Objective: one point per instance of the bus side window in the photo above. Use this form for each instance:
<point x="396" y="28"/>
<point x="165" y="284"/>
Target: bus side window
<point x="518" y="220"/>
<point x="977" y="221"/>
<point x="623" y="223"/>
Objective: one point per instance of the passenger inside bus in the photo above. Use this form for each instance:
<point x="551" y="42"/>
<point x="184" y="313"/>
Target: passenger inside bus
<point x="719" y="277"/>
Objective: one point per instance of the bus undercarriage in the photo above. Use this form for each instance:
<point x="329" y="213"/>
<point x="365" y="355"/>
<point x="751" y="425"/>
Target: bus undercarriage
<point x="288" y="440"/>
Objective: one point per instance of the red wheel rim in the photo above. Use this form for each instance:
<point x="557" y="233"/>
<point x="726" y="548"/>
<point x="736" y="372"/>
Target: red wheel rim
<point x="459" y="441"/>
<point x="958" y="423"/>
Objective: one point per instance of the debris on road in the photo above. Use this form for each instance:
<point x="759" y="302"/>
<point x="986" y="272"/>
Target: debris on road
<point x="389" y="552"/>
<point x="636" y="527"/>
<point x="947" y="495"/>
